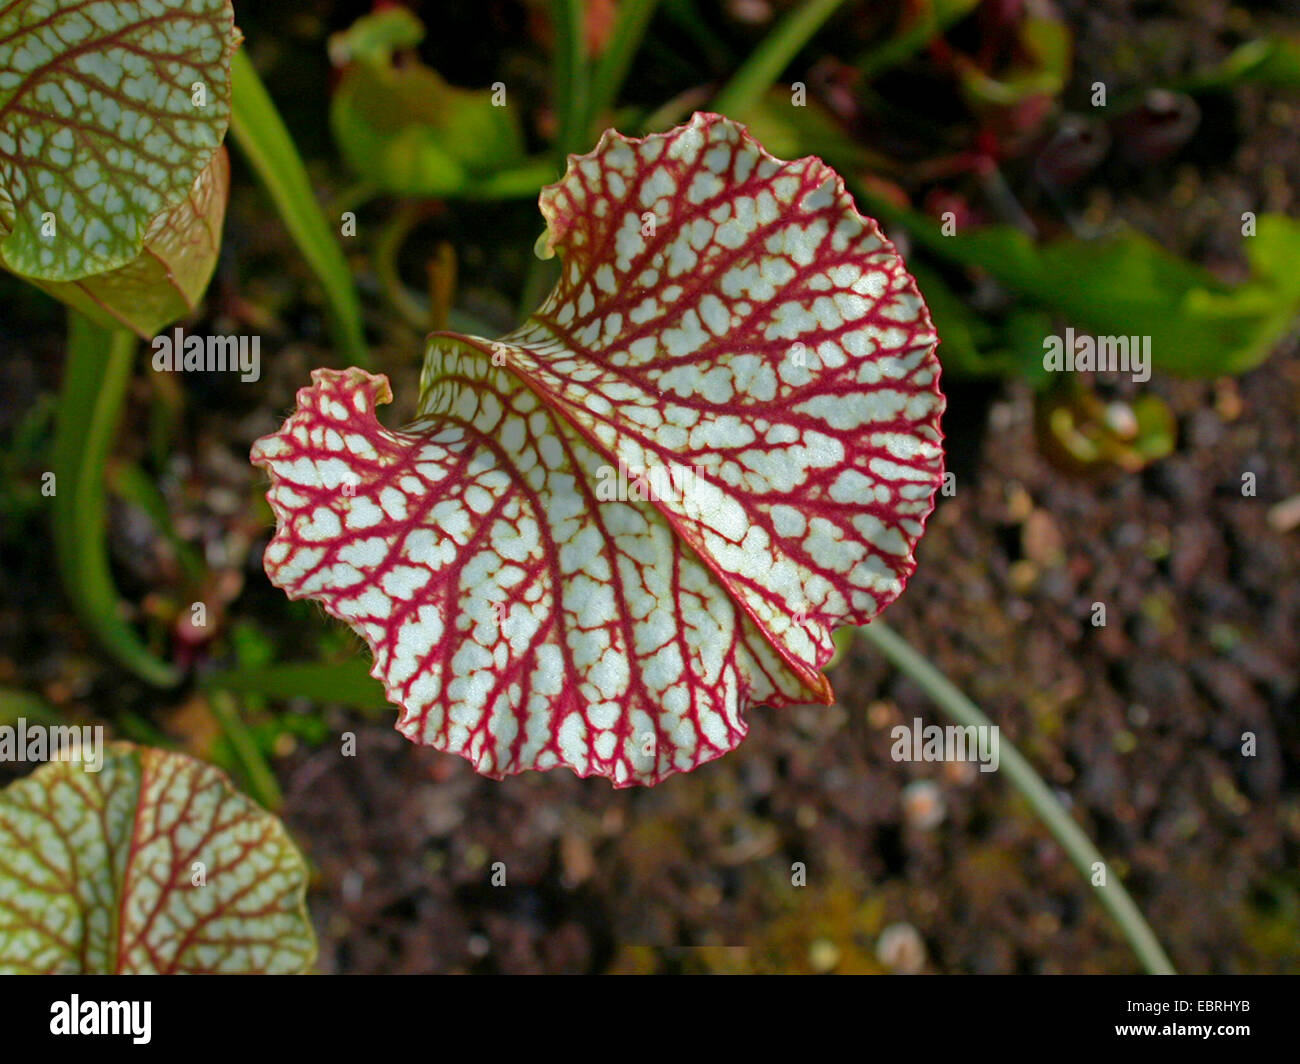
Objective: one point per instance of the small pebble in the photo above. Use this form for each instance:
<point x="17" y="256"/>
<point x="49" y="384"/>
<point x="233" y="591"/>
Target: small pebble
<point x="923" y="804"/>
<point x="901" y="949"/>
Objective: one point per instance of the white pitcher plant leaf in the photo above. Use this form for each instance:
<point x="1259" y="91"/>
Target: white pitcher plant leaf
<point x="610" y="532"/>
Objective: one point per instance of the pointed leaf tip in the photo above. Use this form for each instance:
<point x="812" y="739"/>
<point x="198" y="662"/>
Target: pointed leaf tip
<point x="611" y="531"/>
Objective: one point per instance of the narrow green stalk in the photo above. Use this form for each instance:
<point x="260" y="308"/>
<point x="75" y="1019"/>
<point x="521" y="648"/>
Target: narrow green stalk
<point x="572" y="77"/>
<point x="261" y="781"/>
<point x="345" y="682"/>
<point x="266" y="144"/>
<point x="95" y="378"/>
<point x="631" y="21"/>
<point x="392" y="235"/>
<point x="759" y="72"/>
<point x="1045" y="804"/>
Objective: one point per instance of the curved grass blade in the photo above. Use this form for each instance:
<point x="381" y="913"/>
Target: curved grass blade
<point x="1082" y="853"/>
<point x="631" y="20"/>
<point x="261" y="135"/>
<point x="251" y="766"/>
<point x="572" y="75"/>
<point x="759" y="72"/>
<point x="95" y="379"/>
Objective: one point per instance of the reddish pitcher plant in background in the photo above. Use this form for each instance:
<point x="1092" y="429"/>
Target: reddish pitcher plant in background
<point x="725" y="323"/>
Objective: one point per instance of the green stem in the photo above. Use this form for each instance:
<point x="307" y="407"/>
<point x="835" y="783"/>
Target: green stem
<point x="631" y="21"/>
<point x="95" y="379"/>
<point x="347" y="682"/>
<point x="392" y="236"/>
<point x="766" y="62"/>
<point x="261" y="781"/>
<point x="266" y="144"/>
<point x="1076" y="844"/>
<point x="572" y="77"/>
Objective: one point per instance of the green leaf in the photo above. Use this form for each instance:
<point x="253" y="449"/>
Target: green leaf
<point x="1270" y="61"/>
<point x="346" y="682"/>
<point x="108" y="114"/>
<point x="1127" y="284"/>
<point x="95" y="379"/>
<point x="971" y="345"/>
<point x="402" y="126"/>
<point x="168" y="278"/>
<point x="270" y="151"/>
<point x="152" y="865"/>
